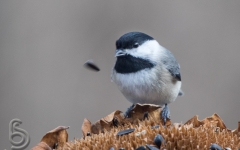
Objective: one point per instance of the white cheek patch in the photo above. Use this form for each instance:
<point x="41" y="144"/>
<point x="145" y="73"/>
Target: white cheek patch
<point x="150" y="50"/>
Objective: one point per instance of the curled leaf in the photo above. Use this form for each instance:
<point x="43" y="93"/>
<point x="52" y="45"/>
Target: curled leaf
<point x="214" y="120"/>
<point x="57" y="136"/>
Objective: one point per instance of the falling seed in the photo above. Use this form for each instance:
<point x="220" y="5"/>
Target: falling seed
<point x="141" y="148"/>
<point x="125" y="132"/>
<point x="128" y="114"/>
<point x="155" y="127"/>
<point x="214" y="146"/>
<point x="151" y="147"/>
<point x="158" y="140"/>
<point x="90" y="65"/>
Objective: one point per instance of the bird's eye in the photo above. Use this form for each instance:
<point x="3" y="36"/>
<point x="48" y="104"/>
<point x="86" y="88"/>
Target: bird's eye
<point x="135" y="45"/>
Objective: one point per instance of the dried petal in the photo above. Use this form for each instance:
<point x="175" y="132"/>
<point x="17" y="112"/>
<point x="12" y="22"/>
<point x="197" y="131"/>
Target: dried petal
<point x="86" y="127"/>
<point x="57" y="136"/>
<point x="214" y="119"/>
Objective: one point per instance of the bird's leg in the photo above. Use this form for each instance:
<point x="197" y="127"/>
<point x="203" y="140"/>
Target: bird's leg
<point x="127" y="114"/>
<point x="165" y="114"/>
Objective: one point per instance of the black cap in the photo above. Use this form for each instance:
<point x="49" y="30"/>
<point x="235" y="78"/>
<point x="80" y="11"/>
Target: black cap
<point x="132" y="40"/>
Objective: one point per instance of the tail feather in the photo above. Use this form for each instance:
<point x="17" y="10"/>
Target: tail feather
<point x="180" y="93"/>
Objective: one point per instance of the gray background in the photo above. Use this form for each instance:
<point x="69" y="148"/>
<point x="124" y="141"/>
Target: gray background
<point x="43" y="45"/>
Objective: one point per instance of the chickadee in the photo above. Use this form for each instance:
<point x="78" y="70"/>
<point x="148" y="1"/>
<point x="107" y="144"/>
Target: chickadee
<point x="145" y="72"/>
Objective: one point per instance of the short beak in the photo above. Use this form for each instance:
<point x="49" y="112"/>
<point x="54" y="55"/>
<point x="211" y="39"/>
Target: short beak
<point x="120" y="52"/>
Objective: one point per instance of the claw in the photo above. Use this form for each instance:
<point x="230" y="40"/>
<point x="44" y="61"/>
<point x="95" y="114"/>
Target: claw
<point x="165" y="114"/>
<point x="127" y="114"/>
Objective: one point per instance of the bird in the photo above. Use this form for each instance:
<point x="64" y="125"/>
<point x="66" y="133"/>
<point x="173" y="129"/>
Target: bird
<point x="145" y="72"/>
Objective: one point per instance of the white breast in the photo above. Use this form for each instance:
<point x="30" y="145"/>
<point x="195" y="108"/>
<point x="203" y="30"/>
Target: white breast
<point x="148" y="86"/>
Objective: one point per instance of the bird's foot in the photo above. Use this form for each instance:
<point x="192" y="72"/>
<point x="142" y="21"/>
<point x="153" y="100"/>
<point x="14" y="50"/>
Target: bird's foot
<point x="165" y="114"/>
<point x="127" y="114"/>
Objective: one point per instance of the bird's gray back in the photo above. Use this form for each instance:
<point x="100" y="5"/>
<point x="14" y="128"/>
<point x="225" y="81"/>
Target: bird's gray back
<point x="171" y="64"/>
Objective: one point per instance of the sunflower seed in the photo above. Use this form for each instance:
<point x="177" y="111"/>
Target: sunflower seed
<point x="141" y="148"/>
<point x="158" y="140"/>
<point x="125" y="132"/>
<point x="151" y="147"/>
<point x="214" y="146"/>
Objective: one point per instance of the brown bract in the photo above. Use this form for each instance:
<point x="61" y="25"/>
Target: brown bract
<point x="214" y="119"/>
<point x="57" y="136"/>
<point x="237" y="131"/>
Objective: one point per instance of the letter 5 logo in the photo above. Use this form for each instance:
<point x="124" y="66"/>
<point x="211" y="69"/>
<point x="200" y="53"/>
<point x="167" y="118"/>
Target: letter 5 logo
<point x="14" y="130"/>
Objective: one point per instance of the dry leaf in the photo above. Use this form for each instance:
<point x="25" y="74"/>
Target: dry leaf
<point x="214" y="120"/>
<point x="237" y="131"/>
<point x="57" y="136"/>
<point x="96" y="128"/>
<point x="86" y="127"/>
<point x="110" y="117"/>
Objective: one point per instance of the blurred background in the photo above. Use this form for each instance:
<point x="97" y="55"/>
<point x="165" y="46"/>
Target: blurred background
<point x="44" y="44"/>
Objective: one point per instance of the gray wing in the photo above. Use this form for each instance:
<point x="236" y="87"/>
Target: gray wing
<point x="172" y="65"/>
